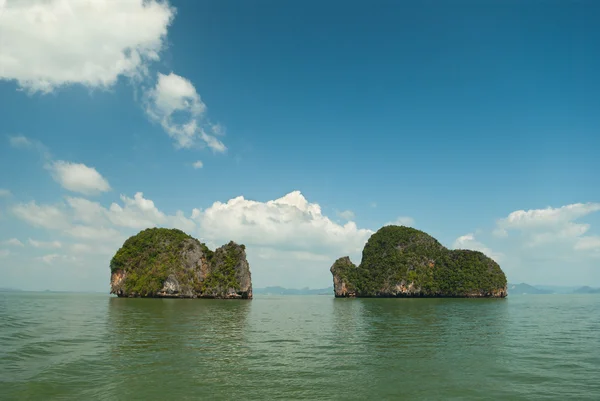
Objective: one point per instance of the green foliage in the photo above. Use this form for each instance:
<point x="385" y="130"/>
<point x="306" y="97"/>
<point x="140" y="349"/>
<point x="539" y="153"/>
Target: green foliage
<point x="347" y="272"/>
<point x="149" y="257"/>
<point x="154" y="254"/>
<point x="397" y="255"/>
<point x="223" y="276"/>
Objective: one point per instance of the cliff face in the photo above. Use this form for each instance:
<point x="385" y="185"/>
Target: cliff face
<point x="160" y="262"/>
<point x="405" y="262"/>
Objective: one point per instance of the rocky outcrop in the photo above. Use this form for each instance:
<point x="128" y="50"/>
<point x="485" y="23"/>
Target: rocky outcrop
<point x="340" y="270"/>
<point x="167" y="263"/>
<point x="405" y="262"/>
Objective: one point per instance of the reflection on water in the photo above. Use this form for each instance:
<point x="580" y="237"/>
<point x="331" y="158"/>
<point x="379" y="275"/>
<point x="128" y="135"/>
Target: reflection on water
<point x="198" y="344"/>
<point x="81" y="346"/>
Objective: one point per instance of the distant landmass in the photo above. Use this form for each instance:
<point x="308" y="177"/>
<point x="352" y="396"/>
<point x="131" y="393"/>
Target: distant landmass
<point x="526" y="289"/>
<point x="587" y="290"/>
<point x="293" y="291"/>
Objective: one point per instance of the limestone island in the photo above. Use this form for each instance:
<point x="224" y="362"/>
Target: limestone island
<point x="168" y="263"/>
<point x="400" y="261"/>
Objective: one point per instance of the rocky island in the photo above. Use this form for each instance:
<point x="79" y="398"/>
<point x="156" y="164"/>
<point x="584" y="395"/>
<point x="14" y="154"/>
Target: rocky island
<point x="400" y="261"/>
<point x="168" y="263"/>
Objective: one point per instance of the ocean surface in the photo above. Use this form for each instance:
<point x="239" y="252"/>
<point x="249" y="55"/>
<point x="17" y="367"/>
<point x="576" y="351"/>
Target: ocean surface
<point x="95" y="347"/>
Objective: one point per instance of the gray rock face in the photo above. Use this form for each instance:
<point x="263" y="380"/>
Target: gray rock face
<point x="340" y="285"/>
<point x="168" y="263"/>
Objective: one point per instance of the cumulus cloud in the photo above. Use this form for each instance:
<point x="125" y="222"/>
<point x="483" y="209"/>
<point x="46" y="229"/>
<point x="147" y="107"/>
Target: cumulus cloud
<point x="139" y="212"/>
<point x="5" y="193"/>
<point x="289" y="240"/>
<point x="288" y="223"/>
<point x="550" y="225"/>
<point x="47" y="216"/>
<point x="45" y="244"/>
<point x="78" y="177"/>
<point x="48" y="44"/>
<point x="548" y="217"/>
<point x="176" y="105"/>
<point x="198" y="164"/>
<point x="81" y="218"/>
<point x="13" y="242"/>
<point x="468" y="241"/>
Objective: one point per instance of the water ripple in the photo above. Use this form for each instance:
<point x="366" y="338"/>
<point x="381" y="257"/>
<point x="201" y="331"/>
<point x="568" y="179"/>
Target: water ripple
<point x="79" y="346"/>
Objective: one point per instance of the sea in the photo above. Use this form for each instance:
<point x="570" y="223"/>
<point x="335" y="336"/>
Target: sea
<point x="67" y="346"/>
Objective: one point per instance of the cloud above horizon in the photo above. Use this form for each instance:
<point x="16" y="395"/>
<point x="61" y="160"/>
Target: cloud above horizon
<point x="289" y="239"/>
<point x="468" y="241"/>
<point x="176" y="105"/>
<point x="289" y="230"/>
<point x="77" y="177"/>
<point x="549" y="226"/>
<point x="50" y="44"/>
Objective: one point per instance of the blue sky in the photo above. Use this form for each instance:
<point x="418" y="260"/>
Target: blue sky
<point x="476" y="122"/>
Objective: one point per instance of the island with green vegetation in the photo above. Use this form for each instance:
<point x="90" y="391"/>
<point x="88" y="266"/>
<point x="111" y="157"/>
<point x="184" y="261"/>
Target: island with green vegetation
<point x="168" y="263"/>
<point x="400" y="261"/>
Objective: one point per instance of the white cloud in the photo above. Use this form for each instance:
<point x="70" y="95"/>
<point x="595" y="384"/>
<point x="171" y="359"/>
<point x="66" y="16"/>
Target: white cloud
<point x="563" y="232"/>
<point x="5" y="193"/>
<point x="549" y="225"/>
<point x="289" y="241"/>
<point x="288" y="223"/>
<point x="198" y="164"/>
<point x="86" y="211"/>
<point x="175" y="104"/>
<point x="46" y="216"/>
<point x="346" y="214"/>
<point x="175" y="94"/>
<point x="549" y="217"/>
<point x="213" y="143"/>
<point x="45" y="244"/>
<point x="78" y="177"/>
<point x="13" y="242"/>
<point x="4" y="253"/>
<point x="48" y="44"/>
<point x="468" y="241"/>
<point x="87" y="220"/>
<point x="139" y="212"/>
<point x="402" y="221"/>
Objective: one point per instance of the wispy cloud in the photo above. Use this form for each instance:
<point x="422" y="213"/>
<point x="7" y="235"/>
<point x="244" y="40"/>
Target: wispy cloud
<point x="176" y="105"/>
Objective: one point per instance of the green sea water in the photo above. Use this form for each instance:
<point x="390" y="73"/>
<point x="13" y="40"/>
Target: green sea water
<point x="95" y="347"/>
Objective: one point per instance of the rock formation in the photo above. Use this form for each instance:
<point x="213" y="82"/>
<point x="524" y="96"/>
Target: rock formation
<point x="404" y="262"/>
<point x="160" y="262"/>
